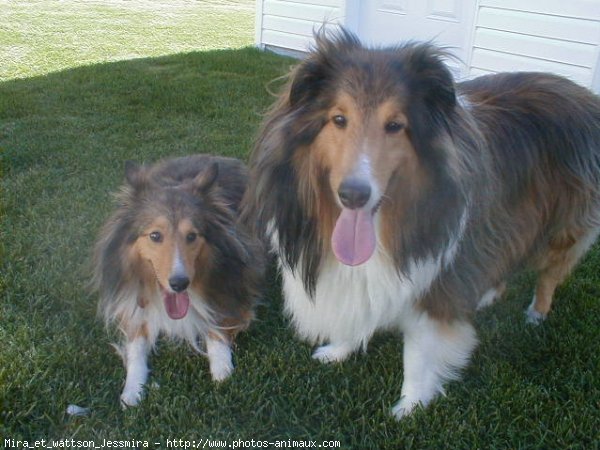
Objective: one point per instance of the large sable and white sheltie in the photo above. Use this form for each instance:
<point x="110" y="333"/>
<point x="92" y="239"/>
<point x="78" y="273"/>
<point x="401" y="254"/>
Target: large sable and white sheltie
<point x="396" y="199"/>
<point x="174" y="259"/>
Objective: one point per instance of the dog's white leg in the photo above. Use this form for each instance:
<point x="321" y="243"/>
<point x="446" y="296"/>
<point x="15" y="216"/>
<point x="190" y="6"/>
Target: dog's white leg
<point x="491" y="296"/>
<point x="334" y="352"/>
<point x="135" y="356"/>
<point x="434" y="353"/>
<point x="532" y="316"/>
<point x="219" y="358"/>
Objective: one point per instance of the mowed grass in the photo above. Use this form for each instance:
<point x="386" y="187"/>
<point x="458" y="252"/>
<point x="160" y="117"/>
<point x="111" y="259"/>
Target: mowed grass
<point x="64" y="137"/>
<point x="42" y="36"/>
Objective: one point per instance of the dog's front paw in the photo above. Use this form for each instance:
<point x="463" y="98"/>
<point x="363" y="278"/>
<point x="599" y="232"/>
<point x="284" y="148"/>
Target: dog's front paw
<point x="131" y="397"/>
<point x="534" y="317"/>
<point x="405" y="407"/>
<point x="219" y="358"/>
<point x="220" y="369"/>
<point x="332" y="353"/>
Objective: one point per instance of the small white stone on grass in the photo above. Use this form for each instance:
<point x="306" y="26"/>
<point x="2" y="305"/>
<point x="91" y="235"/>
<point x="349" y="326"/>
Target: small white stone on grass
<point x="74" y="410"/>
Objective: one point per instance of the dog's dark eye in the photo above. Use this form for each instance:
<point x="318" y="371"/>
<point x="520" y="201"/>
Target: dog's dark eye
<point x="393" y="127"/>
<point x="340" y="121"/>
<point x="156" y="236"/>
<point x="191" y="237"/>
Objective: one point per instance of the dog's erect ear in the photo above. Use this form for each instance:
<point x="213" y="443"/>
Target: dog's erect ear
<point x="135" y="174"/>
<point x="307" y="82"/>
<point x="332" y="51"/>
<point x="206" y="179"/>
<point x="430" y="77"/>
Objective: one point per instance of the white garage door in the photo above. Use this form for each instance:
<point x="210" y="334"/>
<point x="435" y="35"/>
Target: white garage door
<point x="445" y="22"/>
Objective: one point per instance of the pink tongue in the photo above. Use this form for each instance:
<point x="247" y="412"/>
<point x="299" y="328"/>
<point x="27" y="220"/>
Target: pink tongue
<point x="353" y="240"/>
<point x="177" y="304"/>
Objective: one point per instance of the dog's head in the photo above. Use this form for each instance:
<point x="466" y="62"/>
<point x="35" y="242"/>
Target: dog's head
<point x="175" y="232"/>
<point x="170" y="231"/>
<point x="361" y="129"/>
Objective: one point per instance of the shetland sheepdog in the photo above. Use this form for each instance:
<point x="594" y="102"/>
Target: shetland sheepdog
<point x="174" y="259"/>
<point x="397" y="199"/>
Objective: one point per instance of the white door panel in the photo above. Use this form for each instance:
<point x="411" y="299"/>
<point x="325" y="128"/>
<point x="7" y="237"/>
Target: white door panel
<point x="446" y="22"/>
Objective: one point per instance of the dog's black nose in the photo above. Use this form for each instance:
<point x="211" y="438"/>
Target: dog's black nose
<point x="179" y="283"/>
<point x="354" y="193"/>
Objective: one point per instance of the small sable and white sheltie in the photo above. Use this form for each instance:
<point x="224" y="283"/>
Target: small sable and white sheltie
<point x="396" y="199"/>
<point x="174" y="259"/>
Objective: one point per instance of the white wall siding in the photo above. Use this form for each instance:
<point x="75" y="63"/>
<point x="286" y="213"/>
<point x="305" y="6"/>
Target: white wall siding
<point x="289" y="25"/>
<point x="580" y="9"/>
<point x="560" y="36"/>
<point x="538" y="35"/>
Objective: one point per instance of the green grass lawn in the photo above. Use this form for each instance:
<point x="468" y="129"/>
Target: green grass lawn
<point x="85" y="86"/>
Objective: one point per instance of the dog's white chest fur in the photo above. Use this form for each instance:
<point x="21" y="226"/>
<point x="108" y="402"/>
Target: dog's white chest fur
<point x="352" y="303"/>
<point x="193" y="328"/>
